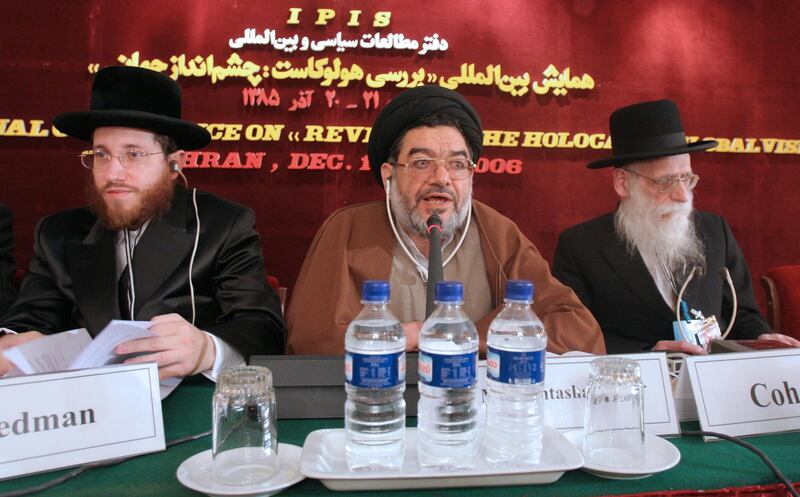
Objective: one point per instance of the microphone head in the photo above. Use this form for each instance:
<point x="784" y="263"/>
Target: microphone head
<point x="434" y="222"/>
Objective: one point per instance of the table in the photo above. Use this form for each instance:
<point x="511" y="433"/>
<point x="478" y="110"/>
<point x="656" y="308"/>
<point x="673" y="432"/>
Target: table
<point x="187" y="411"/>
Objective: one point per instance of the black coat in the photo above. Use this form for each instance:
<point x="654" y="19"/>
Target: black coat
<point x="619" y="290"/>
<point x="72" y="280"/>
<point x="7" y="266"/>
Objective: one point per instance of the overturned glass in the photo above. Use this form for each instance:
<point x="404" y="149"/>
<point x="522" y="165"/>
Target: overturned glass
<point x="245" y="433"/>
<point x="614" y="416"/>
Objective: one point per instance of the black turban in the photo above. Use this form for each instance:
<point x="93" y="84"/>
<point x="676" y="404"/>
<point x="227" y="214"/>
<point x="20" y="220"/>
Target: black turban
<point x="411" y="105"/>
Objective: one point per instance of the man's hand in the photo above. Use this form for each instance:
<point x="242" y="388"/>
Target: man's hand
<point x="176" y="348"/>
<point x="679" y="346"/>
<point x="778" y="337"/>
<point x="8" y="341"/>
<point x="411" y="330"/>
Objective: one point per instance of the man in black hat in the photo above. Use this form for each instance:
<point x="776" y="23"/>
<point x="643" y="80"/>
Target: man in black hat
<point x="146" y="248"/>
<point x="422" y="150"/>
<point x="632" y="267"/>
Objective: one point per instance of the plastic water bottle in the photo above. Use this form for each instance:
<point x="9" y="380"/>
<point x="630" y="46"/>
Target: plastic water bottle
<point x="447" y="433"/>
<point x="375" y="373"/>
<point x="515" y="378"/>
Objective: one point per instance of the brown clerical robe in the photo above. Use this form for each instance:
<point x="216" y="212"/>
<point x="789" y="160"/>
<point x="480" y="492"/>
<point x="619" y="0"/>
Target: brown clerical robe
<point x="356" y="244"/>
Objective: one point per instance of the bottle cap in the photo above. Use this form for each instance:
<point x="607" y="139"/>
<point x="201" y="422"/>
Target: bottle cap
<point x="449" y="291"/>
<point x="519" y="290"/>
<point x="375" y="291"/>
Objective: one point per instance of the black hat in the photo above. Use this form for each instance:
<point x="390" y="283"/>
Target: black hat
<point x="647" y="130"/>
<point x="407" y="108"/>
<point x="137" y="98"/>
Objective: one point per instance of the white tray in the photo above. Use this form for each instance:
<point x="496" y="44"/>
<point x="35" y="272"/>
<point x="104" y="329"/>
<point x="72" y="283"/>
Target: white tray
<point x="324" y="459"/>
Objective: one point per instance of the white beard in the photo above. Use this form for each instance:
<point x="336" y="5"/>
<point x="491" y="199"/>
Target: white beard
<point x="672" y="241"/>
<point x="412" y="222"/>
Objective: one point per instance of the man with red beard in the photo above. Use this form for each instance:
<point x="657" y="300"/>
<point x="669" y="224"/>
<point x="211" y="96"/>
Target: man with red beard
<point x="422" y="149"/>
<point x="146" y="248"/>
<point x="628" y="267"/>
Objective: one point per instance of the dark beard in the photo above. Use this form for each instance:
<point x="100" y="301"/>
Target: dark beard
<point x="412" y="222"/>
<point x="154" y="203"/>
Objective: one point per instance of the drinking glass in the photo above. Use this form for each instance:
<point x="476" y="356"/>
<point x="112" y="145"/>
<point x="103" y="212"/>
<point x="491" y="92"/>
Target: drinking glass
<point x="614" y="416"/>
<point x="245" y="434"/>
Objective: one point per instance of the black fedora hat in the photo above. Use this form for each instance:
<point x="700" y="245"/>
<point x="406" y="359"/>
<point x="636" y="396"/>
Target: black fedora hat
<point x="133" y="97"/>
<point x="647" y="130"/>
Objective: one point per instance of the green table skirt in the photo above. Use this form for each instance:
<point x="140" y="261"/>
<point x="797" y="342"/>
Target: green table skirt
<point x="703" y="465"/>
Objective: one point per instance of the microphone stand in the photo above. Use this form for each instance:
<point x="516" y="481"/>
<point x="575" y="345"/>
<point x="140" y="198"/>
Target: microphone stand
<point x="435" y="268"/>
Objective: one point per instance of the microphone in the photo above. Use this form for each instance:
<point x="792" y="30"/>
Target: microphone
<point x="435" y="268"/>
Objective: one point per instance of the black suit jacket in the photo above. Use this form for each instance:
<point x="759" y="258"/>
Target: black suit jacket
<point x="72" y="279"/>
<point x="619" y="290"/>
<point x="7" y="266"/>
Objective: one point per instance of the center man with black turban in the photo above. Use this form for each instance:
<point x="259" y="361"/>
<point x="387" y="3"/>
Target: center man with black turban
<point x="421" y="150"/>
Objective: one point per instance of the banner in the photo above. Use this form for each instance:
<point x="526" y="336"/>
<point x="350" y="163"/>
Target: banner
<point x="289" y="90"/>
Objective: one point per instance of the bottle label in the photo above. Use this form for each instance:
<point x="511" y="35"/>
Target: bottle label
<point x="515" y="367"/>
<point x="375" y="370"/>
<point x="448" y="371"/>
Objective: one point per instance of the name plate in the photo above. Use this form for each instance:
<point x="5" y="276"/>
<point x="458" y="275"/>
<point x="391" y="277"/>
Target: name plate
<point x="55" y="420"/>
<point x="747" y="393"/>
<point x="565" y="392"/>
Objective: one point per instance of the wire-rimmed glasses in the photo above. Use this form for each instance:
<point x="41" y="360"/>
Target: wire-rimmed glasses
<point x="422" y="167"/>
<point x="666" y="184"/>
<point x="100" y="159"/>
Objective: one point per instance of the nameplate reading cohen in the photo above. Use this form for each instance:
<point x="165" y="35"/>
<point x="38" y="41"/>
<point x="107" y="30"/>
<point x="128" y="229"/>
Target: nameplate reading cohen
<point x="747" y="393"/>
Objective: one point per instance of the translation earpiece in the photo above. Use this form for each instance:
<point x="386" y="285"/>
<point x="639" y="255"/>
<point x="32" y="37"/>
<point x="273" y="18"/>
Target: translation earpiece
<point x="388" y="182"/>
<point x="174" y="166"/>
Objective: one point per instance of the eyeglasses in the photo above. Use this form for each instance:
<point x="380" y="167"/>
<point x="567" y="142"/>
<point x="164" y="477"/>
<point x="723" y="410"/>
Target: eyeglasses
<point x="421" y="168"/>
<point x="101" y="158"/>
<point x="666" y="184"/>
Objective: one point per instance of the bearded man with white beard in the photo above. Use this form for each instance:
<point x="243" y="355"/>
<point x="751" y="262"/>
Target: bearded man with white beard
<point x="422" y="150"/>
<point x="628" y="267"/>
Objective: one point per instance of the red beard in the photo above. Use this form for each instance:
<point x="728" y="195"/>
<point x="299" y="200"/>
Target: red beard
<point x="153" y="203"/>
